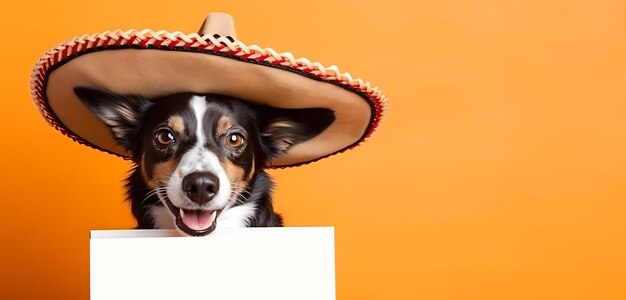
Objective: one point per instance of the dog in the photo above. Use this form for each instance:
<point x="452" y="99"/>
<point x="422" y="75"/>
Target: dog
<point x="199" y="160"/>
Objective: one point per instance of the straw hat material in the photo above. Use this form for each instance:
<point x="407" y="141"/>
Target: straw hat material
<point x="155" y="64"/>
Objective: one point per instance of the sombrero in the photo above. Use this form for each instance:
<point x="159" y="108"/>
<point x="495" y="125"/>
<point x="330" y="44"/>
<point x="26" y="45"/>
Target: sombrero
<point x="155" y="64"/>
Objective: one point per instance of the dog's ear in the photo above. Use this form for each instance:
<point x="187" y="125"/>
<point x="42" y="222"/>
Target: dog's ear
<point x="284" y="128"/>
<point x="121" y="113"/>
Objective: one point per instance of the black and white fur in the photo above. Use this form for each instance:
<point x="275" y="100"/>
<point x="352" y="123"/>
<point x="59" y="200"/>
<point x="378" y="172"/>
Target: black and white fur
<point x="199" y="160"/>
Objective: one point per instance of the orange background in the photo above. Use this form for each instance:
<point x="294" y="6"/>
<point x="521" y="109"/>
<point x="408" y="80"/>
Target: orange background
<point x="499" y="172"/>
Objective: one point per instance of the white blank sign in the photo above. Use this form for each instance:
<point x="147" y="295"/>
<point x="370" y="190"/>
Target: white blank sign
<point x="249" y="263"/>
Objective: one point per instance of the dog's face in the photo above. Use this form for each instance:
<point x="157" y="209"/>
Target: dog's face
<point x="199" y="154"/>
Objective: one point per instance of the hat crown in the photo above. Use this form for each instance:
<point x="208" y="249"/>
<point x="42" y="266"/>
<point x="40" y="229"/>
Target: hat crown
<point x="218" y="23"/>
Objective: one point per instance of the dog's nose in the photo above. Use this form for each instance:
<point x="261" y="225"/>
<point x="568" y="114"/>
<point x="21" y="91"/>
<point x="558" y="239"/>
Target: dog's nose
<point x="201" y="187"/>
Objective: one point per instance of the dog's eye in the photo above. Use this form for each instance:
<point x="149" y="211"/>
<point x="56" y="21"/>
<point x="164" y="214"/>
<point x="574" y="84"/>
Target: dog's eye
<point x="235" y="140"/>
<point x="164" y="137"/>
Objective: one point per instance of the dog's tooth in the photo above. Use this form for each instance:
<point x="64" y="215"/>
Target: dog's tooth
<point x="213" y="214"/>
<point x="182" y="212"/>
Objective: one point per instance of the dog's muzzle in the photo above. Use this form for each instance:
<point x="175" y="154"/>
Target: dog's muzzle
<point x="200" y="188"/>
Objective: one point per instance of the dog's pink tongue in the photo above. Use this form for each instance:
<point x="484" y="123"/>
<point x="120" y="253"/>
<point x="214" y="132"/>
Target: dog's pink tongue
<point x="198" y="219"/>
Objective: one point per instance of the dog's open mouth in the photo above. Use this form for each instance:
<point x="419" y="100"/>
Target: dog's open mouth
<point x="194" y="222"/>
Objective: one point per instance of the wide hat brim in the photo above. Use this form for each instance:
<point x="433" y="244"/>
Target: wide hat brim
<point x="155" y="64"/>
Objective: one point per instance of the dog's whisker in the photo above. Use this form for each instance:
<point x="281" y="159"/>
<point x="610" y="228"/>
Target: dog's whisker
<point x="153" y="192"/>
<point x="238" y="194"/>
<point x="148" y="196"/>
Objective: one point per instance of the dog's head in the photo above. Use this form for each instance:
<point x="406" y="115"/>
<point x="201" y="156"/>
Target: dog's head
<point x="199" y="153"/>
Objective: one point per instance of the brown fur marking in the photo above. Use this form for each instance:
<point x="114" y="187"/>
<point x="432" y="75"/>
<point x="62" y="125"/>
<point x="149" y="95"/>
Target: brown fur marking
<point x="235" y="174"/>
<point x="177" y="123"/>
<point x="161" y="173"/>
<point x="223" y="124"/>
